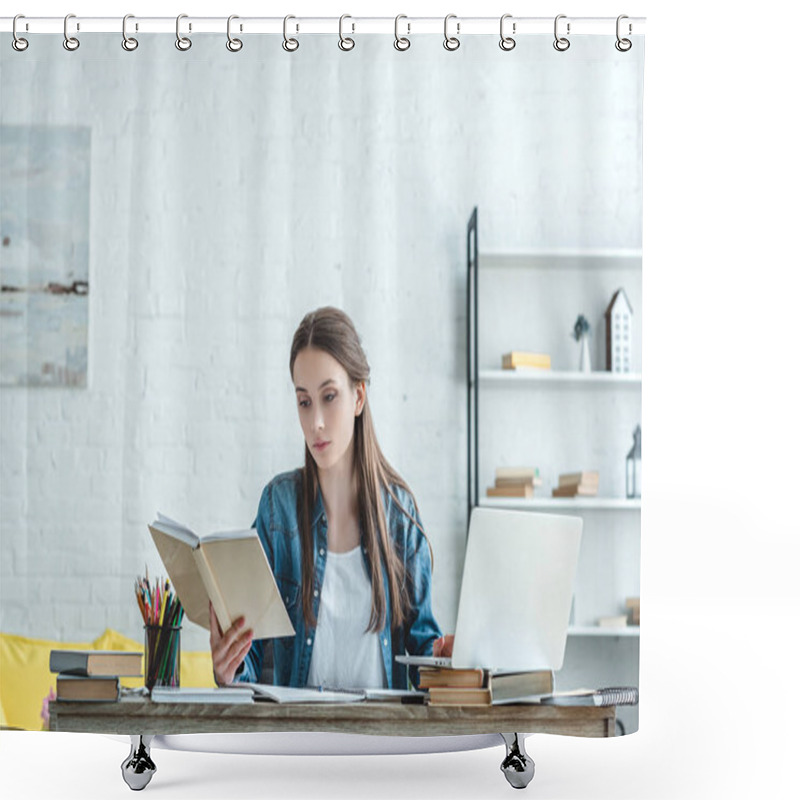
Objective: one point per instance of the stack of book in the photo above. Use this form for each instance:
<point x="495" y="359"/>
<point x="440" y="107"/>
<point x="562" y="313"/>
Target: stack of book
<point x="514" y="482"/>
<point x="519" y="360"/>
<point x="478" y="687"/>
<point x="577" y="484"/>
<point x="632" y="604"/>
<point x="93" y="675"/>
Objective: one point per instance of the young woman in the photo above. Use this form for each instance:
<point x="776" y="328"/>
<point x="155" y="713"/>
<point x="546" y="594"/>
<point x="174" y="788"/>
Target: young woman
<point x="342" y="535"/>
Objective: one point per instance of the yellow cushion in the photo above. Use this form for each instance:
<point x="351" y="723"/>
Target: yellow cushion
<point x="25" y="677"/>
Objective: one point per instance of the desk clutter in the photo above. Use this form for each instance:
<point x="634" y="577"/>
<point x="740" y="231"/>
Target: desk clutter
<point x="162" y="614"/>
<point x="448" y="686"/>
<point x="93" y="675"/>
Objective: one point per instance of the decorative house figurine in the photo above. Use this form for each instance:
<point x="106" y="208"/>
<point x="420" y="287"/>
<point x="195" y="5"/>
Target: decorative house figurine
<point x="619" y="333"/>
<point x="633" y="467"/>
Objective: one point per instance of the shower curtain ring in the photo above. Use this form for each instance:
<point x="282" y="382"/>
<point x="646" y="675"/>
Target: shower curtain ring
<point x="623" y="45"/>
<point x="70" y="42"/>
<point x="128" y="42"/>
<point x="182" y="42"/>
<point x="451" y="42"/>
<point x="506" y="42"/>
<point x="401" y="43"/>
<point x="18" y="43"/>
<point x="561" y="43"/>
<point x="234" y="45"/>
<point x="289" y="45"/>
<point x="346" y="43"/>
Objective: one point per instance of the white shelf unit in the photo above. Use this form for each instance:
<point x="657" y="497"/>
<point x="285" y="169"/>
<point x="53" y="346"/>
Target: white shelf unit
<point x="563" y="503"/>
<point x="546" y="376"/>
<point x="562" y="420"/>
<point x="588" y="630"/>
<point x="563" y="258"/>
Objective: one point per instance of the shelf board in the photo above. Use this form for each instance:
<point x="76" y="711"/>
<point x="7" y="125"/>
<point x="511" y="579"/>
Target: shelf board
<point x="562" y="503"/>
<point x="563" y="258"/>
<point x="548" y="376"/>
<point x="596" y="630"/>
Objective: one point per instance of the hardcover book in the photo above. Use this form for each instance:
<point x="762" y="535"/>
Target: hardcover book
<point x="230" y="569"/>
<point x="108" y="663"/>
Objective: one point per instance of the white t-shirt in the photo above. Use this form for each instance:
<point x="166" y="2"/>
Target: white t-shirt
<point x="344" y="656"/>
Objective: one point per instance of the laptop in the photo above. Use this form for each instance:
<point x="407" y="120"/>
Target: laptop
<point x="516" y="592"/>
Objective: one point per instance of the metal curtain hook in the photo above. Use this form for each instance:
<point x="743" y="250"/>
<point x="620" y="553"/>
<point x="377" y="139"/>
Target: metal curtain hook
<point x="181" y="42"/>
<point x="18" y="43"/>
<point x="70" y="42"/>
<point x="401" y="43"/>
<point x="623" y="45"/>
<point x="289" y="45"/>
<point x="346" y="43"/>
<point x="506" y="42"/>
<point x="451" y="42"/>
<point x="561" y="44"/>
<point x="234" y="45"/>
<point x="128" y="42"/>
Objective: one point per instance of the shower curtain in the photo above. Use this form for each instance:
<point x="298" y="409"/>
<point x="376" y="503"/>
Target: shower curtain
<point x="168" y="217"/>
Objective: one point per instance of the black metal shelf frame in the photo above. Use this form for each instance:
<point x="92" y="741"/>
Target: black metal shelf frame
<point x="472" y="363"/>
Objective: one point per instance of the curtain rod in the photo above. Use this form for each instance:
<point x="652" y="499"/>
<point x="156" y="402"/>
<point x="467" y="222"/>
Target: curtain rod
<point x="458" y="26"/>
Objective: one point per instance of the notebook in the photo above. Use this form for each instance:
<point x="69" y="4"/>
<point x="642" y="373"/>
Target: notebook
<point x="516" y="592"/>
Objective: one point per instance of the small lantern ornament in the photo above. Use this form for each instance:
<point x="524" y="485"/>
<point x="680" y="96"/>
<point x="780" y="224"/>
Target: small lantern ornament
<point x="633" y="467"/>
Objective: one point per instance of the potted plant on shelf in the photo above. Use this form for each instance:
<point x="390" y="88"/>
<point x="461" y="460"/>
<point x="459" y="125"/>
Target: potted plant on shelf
<point x="580" y="333"/>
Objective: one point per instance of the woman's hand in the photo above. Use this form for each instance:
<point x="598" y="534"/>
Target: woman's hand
<point x="443" y="646"/>
<point x="228" y="649"/>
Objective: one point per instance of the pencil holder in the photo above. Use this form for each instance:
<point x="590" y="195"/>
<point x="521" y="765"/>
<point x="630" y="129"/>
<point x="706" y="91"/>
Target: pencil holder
<point x="162" y="655"/>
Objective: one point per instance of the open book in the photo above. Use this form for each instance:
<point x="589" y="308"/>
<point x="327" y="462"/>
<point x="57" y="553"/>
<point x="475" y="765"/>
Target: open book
<point x="229" y="569"/>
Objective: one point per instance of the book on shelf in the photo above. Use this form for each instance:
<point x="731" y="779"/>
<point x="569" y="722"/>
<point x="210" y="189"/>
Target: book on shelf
<point x="85" y="689"/>
<point x="521" y="360"/>
<point x="510" y="490"/>
<point x="499" y="482"/>
<point x="632" y="604"/>
<point x="614" y="621"/>
<point x="517" y="474"/>
<point x="230" y="569"/>
<point x="577" y="490"/>
<point x="611" y="696"/>
<point x="99" y="663"/>
<point x="455" y="678"/>
<point x="590" y="478"/>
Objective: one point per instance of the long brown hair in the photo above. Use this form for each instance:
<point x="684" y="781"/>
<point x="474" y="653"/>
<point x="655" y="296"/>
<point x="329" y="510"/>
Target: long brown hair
<point x="332" y="331"/>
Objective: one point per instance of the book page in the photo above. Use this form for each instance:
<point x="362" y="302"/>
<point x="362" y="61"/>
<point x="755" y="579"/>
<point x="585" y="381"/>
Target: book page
<point x="178" y="557"/>
<point x="245" y="581"/>
<point x="249" y="533"/>
<point x="291" y="694"/>
<point x="177" y="530"/>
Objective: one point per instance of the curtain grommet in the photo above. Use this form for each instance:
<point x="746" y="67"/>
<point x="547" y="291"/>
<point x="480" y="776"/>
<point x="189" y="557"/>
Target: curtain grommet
<point x="70" y="43"/>
<point x="18" y="43"/>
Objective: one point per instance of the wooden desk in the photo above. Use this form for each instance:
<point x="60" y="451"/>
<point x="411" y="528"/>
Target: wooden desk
<point x="141" y="719"/>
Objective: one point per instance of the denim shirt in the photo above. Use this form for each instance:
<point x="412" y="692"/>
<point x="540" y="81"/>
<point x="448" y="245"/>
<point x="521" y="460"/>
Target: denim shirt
<point x="279" y="531"/>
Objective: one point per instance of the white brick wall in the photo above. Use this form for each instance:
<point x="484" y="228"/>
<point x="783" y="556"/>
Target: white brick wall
<point x="230" y="195"/>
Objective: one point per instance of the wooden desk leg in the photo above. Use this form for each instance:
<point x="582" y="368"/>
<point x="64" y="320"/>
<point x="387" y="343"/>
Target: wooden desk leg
<point x="138" y="768"/>
<point x="518" y="766"/>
